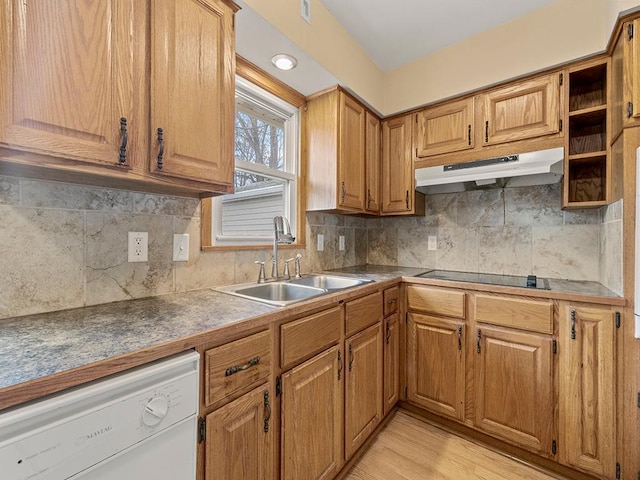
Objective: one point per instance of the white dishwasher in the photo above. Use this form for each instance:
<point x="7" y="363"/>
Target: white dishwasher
<point x="138" y="424"/>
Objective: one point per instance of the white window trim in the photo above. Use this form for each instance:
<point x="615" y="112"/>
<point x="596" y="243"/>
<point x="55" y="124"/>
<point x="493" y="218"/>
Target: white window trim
<point x="292" y="162"/>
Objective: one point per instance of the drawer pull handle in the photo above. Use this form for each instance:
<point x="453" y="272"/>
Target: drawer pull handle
<point x="339" y="365"/>
<point x="573" y="324"/>
<point x="267" y="417"/>
<point x="459" y="337"/>
<point x="238" y="368"/>
<point x="350" y="357"/>
<point x="388" y="332"/>
<point x="479" y="340"/>
<point x="391" y="301"/>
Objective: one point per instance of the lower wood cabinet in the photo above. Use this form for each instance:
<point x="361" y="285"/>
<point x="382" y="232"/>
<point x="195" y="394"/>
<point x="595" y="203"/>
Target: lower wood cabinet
<point x="363" y="387"/>
<point x="436" y="364"/>
<point x="587" y="390"/>
<point x="513" y="387"/>
<point x="311" y="439"/>
<point x="391" y="358"/>
<point x="239" y="441"/>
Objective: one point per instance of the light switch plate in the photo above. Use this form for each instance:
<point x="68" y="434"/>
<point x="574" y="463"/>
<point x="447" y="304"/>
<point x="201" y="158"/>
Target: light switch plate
<point x="432" y="242"/>
<point x="180" y="247"/>
<point x="320" y="242"/>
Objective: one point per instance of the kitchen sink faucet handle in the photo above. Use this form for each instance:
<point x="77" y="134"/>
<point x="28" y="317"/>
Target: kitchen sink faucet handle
<point x="261" y="275"/>
<point x="297" y="266"/>
<point x="286" y="274"/>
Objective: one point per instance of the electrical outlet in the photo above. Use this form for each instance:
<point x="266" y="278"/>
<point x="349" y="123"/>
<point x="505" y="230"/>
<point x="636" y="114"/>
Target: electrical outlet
<point x="138" y="246"/>
<point x="341" y="242"/>
<point x="320" y="242"/>
<point x="180" y="247"/>
<point x="432" y="242"/>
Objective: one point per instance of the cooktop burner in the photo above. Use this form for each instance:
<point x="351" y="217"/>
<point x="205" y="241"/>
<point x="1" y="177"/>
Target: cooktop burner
<point x="530" y="281"/>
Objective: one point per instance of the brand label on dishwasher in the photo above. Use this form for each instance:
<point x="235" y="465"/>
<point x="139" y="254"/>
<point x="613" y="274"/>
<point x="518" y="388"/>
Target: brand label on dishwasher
<point x="64" y="448"/>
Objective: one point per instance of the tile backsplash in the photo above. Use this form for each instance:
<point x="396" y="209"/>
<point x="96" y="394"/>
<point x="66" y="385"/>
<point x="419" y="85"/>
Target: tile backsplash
<point x="64" y="245"/>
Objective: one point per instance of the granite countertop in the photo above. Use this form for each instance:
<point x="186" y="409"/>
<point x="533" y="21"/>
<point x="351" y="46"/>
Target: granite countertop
<point x="35" y="347"/>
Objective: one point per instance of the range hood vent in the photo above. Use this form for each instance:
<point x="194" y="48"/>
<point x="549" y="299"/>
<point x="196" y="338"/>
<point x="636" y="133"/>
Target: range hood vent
<point x="519" y="170"/>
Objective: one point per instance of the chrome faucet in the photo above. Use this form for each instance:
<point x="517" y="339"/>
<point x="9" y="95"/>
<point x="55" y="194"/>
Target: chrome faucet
<point x="282" y="235"/>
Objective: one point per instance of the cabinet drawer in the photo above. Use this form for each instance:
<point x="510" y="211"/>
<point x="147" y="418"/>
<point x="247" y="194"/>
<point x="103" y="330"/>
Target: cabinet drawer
<point x="391" y="296"/>
<point x="308" y="336"/>
<point x="533" y="315"/>
<point x="235" y="366"/>
<point x="363" y="312"/>
<point x="436" y="301"/>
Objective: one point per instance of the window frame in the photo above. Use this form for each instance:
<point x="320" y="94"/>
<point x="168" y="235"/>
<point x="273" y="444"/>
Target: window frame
<point x="247" y="73"/>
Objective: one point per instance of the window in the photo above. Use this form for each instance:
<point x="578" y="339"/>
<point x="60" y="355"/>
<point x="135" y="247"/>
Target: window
<point x="266" y="169"/>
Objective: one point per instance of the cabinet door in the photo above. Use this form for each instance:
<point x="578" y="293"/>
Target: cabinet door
<point x="587" y="406"/>
<point x="632" y="63"/>
<point x="66" y="77"/>
<point x="239" y="439"/>
<point x="351" y="159"/>
<point x="522" y="110"/>
<point x="435" y="364"/>
<point x="514" y="387"/>
<point x="397" y="166"/>
<point x="391" y="363"/>
<point x="363" y="387"/>
<point x="444" y="129"/>
<point x="192" y="90"/>
<point x="372" y="137"/>
<point x="312" y="418"/>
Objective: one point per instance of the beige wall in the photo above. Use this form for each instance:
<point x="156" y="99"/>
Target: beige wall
<point x="328" y="43"/>
<point x="562" y="31"/>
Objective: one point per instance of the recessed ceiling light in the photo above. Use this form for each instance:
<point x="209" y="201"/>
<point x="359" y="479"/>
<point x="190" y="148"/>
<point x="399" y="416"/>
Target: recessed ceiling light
<point x="284" y="61"/>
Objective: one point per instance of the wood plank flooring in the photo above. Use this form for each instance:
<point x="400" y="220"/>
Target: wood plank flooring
<point x="410" y="449"/>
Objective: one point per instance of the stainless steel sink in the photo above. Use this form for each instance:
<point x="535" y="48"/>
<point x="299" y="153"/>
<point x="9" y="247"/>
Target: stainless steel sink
<point x="283" y="293"/>
<point x="329" y="282"/>
<point x="279" y="294"/>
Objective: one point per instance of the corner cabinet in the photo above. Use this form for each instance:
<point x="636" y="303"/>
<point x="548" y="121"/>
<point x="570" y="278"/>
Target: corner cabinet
<point x="82" y="110"/>
<point x="397" y="182"/>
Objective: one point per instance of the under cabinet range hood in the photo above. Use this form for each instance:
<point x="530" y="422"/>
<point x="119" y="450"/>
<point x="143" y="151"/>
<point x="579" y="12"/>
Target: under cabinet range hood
<point x="520" y="170"/>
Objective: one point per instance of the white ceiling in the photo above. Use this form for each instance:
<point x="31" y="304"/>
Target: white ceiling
<point x="397" y="32"/>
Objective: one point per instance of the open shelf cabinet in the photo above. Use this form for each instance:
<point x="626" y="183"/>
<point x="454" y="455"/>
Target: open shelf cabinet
<point x="587" y="170"/>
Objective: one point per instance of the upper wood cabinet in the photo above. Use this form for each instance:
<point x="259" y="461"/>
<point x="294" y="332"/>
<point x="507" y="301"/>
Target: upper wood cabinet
<point x="372" y="163"/>
<point x="587" y="402"/>
<point x="445" y="128"/>
<point x="66" y="76"/>
<point x="80" y="102"/>
<point x="192" y="90"/>
<point x="397" y="182"/>
<point x="631" y="37"/>
<point x="336" y="144"/>
<point x="521" y="110"/>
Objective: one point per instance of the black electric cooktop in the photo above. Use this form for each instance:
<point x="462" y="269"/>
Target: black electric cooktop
<point x="530" y="281"/>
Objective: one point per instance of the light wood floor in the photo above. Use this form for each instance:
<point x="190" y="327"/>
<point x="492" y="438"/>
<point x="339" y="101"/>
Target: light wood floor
<point x="409" y="449"/>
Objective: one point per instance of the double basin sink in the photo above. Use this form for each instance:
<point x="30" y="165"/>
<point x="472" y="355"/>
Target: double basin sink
<point x="286" y="292"/>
